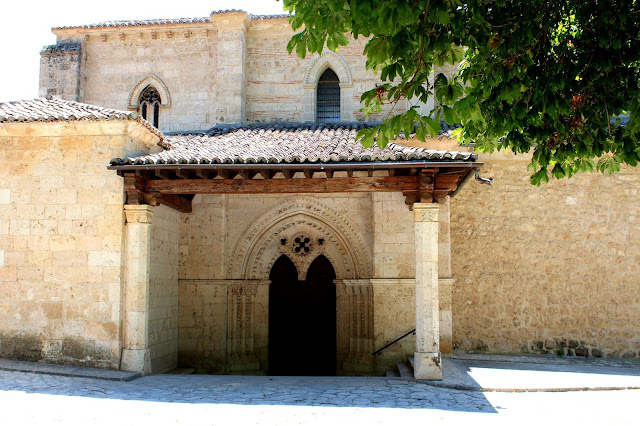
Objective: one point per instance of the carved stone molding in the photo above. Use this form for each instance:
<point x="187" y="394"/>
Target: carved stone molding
<point x="157" y="83"/>
<point x="138" y="214"/>
<point x="331" y="60"/>
<point x="241" y="301"/>
<point x="359" y="359"/>
<point x="260" y="244"/>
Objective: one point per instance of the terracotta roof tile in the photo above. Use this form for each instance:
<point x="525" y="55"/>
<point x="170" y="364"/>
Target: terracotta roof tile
<point x="283" y="144"/>
<point x="61" y="110"/>
<point x="138" y="23"/>
<point x="169" y="21"/>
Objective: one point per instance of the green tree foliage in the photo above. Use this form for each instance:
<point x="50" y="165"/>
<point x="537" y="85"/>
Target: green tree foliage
<point x="551" y="77"/>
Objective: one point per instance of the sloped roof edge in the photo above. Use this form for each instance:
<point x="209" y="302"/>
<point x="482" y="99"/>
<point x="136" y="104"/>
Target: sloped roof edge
<point x="60" y="110"/>
<point x="166" y="21"/>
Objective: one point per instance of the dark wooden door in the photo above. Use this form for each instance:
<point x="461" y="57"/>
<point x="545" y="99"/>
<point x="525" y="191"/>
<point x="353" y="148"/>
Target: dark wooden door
<point x="302" y="319"/>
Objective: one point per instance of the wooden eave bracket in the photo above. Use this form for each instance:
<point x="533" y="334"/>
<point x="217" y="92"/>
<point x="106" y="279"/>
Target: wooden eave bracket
<point x="434" y="183"/>
<point x="134" y="188"/>
<point x="174" y="188"/>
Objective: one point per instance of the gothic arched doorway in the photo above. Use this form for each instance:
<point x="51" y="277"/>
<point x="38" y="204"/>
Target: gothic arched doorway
<point x="302" y="319"/>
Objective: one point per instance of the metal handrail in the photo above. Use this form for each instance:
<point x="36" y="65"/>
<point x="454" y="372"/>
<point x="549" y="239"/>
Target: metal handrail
<point x="379" y="351"/>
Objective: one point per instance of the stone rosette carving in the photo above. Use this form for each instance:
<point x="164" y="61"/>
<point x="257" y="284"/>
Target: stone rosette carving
<point x="301" y="247"/>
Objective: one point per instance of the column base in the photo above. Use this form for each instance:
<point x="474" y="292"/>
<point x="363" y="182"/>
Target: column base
<point x="427" y="366"/>
<point x="138" y="360"/>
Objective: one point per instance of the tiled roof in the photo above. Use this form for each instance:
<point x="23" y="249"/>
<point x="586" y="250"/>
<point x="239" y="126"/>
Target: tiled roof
<point x="133" y="23"/>
<point x="284" y="144"/>
<point x="61" y="110"/>
<point x="159" y="22"/>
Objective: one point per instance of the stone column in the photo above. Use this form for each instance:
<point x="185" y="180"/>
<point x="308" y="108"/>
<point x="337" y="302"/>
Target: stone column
<point x="135" y="352"/>
<point x="427" y="356"/>
<point x="444" y="274"/>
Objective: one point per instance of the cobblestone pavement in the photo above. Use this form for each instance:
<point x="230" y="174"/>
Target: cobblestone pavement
<point x="41" y="399"/>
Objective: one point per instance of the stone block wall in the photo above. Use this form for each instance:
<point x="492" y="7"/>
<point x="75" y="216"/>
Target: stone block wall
<point x="276" y="81"/>
<point x="61" y="225"/>
<point x="393" y="237"/>
<point x="394" y="307"/>
<point x="163" y="290"/>
<point x="549" y="269"/>
<point x="394" y="283"/>
<point x="202" y="325"/>
<point x="61" y="71"/>
<point x="182" y="57"/>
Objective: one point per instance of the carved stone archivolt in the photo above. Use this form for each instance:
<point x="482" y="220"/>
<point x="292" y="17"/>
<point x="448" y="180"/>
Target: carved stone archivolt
<point x="328" y="233"/>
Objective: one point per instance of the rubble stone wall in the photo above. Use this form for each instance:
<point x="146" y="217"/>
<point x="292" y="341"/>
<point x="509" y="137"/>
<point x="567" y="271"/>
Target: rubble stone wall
<point x="549" y="269"/>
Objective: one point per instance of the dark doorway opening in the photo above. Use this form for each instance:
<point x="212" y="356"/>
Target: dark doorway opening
<point x="302" y="319"/>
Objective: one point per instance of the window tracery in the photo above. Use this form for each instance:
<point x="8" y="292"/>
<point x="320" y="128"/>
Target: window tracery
<point x="149" y="102"/>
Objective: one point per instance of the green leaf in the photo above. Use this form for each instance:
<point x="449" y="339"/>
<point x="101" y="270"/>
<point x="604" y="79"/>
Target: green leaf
<point x="382" y="139"/>
<point x="332" y="43"/>
<point x="450" y="115"/>
<point x="608" y="164"/>
<point x="366" y="137"/>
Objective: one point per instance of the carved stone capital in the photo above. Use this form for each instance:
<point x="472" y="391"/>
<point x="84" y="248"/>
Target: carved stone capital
<point x="142" y="213"/>
<point x="425" y="212"/>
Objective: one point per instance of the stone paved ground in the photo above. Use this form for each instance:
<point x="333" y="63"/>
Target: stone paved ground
<point x="41" y="399"/>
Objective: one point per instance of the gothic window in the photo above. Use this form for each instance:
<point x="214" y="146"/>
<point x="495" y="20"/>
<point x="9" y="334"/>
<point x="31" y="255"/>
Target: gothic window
<point x="150" y="105"/>
<point x="328" y="98"/>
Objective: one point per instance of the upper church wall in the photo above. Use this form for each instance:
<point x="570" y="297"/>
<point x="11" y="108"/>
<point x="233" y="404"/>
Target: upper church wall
<point x="184" y="61"/>
<point x="230" y="69"/>
<point x="279" y="87"/>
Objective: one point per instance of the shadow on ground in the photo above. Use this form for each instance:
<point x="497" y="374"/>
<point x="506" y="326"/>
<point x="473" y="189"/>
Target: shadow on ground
<point x="365" y="392"/>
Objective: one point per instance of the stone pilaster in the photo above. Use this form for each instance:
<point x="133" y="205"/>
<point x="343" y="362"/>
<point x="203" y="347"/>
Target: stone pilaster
<point x="427" y="355"/>
<point x="241" y="347"/>
<point x="230" y="70"/>
<point x="360" y="296"/>
<point x="135" y="352"/>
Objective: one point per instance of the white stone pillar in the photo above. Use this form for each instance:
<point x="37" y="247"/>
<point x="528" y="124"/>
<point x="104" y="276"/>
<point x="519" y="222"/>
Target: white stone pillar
<point x="135" y="352"/>
<point x="427" y="364"/>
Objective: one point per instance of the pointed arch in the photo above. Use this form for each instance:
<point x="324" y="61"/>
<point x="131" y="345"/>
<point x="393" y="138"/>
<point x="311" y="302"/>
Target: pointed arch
<point x="261" y="243"/>
<point x="156" y="83"/>
<point x="328" y="59"/>
<point x="316" y="68"/>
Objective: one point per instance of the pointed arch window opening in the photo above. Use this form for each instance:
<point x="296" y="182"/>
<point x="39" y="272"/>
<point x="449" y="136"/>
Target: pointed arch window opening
<point x="328" y="98"/>
<point x="150" y="105"/>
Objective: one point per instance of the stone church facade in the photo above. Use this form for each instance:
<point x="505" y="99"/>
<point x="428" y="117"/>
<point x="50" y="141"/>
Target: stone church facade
<point x="240" y="229"/>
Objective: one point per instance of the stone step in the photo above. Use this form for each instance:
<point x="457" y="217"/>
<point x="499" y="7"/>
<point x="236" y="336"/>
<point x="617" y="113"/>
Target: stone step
<point x="391" y="373"/>
<point x="405" y="370"/>
<point x="411" y="361"/>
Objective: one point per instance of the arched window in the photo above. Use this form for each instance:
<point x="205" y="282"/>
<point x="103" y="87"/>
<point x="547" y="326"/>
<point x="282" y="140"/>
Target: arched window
<point x="149" y="102"/>
<point x="328" y="98"/>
